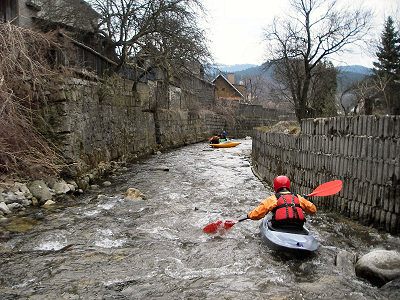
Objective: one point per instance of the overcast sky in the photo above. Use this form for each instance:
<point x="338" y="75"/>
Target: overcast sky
<point x="235" y="29"/>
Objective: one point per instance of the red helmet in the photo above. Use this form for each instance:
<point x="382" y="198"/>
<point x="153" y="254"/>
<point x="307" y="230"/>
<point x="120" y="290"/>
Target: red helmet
<point x="281" y="182"/>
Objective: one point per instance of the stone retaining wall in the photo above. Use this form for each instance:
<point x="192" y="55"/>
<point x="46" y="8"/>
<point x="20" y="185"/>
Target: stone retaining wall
<point x="363" y="151"/>
<point x="93" y="121"/>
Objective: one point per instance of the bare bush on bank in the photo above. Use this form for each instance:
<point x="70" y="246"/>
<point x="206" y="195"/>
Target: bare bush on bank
<point x="24" y="66"/>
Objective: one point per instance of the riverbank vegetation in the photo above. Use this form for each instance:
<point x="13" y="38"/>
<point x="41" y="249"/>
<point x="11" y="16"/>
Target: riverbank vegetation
<point x="24" y="67"/>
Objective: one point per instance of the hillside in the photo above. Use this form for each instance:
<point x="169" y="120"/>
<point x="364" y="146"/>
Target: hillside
<point x="347" y="75"/>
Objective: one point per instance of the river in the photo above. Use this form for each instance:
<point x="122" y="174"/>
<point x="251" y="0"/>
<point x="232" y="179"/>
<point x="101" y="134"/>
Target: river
<point x="103" y="246"/>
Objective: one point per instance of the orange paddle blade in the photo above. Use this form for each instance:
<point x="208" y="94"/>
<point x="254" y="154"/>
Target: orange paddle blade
<point x="327" y="188"/>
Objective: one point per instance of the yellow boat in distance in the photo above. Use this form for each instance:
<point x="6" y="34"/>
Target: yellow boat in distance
<point x="228" y="144"/>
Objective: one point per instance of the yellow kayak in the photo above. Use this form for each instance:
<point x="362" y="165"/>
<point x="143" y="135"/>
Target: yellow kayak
<point x="228" y="144"/>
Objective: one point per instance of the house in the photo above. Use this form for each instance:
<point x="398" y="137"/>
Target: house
<point x="225" y="88"/>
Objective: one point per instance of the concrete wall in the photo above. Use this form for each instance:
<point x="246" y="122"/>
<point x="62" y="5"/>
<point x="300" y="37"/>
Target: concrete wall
<point x="362" y="151"/>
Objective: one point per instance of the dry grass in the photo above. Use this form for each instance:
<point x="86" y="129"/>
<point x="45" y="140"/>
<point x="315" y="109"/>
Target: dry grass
<point x="288" y="127"/>
<point x="24" y="66"/>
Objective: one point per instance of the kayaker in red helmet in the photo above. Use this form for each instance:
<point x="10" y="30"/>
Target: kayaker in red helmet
<point x="287" y="208"/>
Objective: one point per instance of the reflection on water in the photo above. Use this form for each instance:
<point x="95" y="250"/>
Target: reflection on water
<point x="102" y="246"/>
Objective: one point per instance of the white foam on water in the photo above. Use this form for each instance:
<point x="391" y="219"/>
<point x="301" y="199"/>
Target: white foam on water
<point x="51" y="245"/>
<point x="91" y="213"/>
<point x="107" y="206"/>
<point x="108" y="243"/>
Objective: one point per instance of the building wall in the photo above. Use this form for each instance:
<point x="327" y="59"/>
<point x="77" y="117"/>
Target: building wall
<point x="224" y="90"/>
<point x="26" y="13"/>
<point x="362" y="151"/>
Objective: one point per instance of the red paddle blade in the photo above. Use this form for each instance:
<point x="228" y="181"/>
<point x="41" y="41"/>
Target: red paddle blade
<point x="228" y="224"/>
<point x="214" y="227"/>
<point x="327" y="188"/>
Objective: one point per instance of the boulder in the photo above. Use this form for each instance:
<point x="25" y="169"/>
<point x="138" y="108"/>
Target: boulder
<point x="21" y="187"/>
<point x="134" y="194"/>
<point x="40" y="191"/>
<point x="4" y="208"/>
<point x="379" y="266"/>
<point x="61" y="187"/>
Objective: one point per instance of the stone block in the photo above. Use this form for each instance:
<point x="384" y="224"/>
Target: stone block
<point x="394" y="226"/>
<point x="397" y="200"/>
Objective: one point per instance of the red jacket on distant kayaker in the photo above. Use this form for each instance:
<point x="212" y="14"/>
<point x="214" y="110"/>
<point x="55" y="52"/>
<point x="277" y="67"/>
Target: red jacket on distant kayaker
<point x="288" y="208"/>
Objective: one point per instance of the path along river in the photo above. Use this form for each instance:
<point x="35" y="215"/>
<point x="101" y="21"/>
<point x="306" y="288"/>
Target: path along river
<point x="102" y="246"/>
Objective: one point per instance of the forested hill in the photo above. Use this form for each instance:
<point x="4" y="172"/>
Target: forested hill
<point x="346" y="74"/>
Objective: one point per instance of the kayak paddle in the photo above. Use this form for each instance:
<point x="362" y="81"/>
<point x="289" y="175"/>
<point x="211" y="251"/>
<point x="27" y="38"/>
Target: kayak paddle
<point x="326" y="189"/>
<point x="214" y="227"/>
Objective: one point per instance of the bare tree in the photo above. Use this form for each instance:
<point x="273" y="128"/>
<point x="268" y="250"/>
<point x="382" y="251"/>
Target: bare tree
<point x="301" y="41"/>
<point x="255" y="86"/>
<point x="347" y="99"/>
<point x="165" y="31"/>
<point x="368" y="93"/>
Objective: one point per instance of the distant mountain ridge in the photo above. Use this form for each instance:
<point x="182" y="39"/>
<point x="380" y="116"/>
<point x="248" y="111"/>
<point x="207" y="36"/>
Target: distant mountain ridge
<point x="233" y="68"/>
<point x="355" y="69"/>
<point x="251" y="68"/>
<point x="347" y="75"/>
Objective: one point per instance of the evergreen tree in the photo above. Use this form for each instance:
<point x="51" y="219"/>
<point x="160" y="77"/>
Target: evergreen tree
<point x="388" y="52"/>
<point x="387" y="69"/>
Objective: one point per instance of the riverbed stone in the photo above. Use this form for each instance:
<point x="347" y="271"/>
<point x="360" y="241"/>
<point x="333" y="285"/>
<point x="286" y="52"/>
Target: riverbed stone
<point x="379" y="266"/>
<point x="72" y="185"/>
<point x="4" y="208"/>
<point x="14" y="206"/>
<point x="83" y="182"/>
<point x="22" y="187"/>
<point x="391" y="289"/>
<point x="26" y="202"/>
<point x="94" y="187"/>
<point x="40" y="190"/>
<point x="60" y="187"/>
<point x="345" y="262"/>
<point x="320" y="285"/>
<point x="35" y="201"/>
<point x="134" y="194"/>
<point x="48" y="203"/>
<point x="12" y="197"/>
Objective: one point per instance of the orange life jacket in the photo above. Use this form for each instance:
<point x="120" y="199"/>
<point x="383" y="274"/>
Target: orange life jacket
<point x="288" y="210"/>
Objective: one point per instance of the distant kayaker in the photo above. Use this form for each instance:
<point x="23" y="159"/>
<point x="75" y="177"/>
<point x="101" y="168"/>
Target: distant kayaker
<point x="223" y="135"/>
<point x="287" y="208"/>
<point x="214" y="139"/>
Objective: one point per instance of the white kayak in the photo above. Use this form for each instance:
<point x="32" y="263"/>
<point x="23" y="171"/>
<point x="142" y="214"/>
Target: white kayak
<point x="288" y="239"/>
